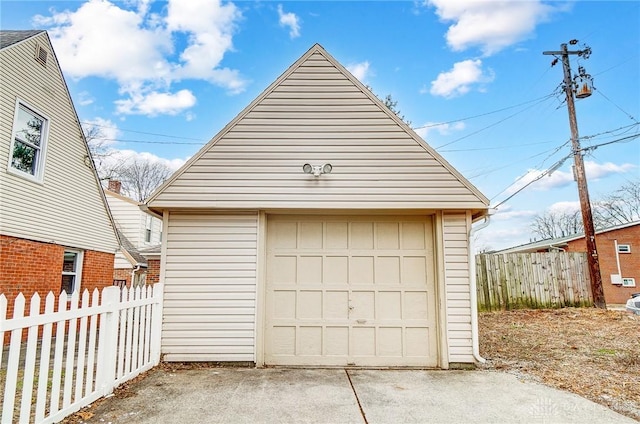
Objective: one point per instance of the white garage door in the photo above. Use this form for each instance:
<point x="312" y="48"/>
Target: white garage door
<point x="350" y="291"/>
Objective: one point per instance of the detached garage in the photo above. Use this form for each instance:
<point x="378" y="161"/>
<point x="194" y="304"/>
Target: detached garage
<point x="317" y="229"/>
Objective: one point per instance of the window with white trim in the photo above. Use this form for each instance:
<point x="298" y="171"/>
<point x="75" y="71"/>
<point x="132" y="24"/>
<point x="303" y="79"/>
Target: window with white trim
<point x="148" y="225"/>
<point x="28" y="143"/>
<point x="71" y="271"/>
<point x="624" y="248"/>
<point x="628" y="282"/>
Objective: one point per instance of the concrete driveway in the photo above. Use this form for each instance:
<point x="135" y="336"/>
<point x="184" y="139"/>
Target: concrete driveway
<point x="242" y="395"/>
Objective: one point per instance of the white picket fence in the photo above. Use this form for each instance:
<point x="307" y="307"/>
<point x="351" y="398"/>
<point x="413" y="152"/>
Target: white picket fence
<point x="87" y="347"/>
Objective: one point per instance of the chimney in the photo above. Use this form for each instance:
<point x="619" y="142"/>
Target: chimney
<point x="115" y="185"/>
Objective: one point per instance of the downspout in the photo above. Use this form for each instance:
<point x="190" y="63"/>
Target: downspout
<point x="473" y="293"/>
<point x="133" y="274"/>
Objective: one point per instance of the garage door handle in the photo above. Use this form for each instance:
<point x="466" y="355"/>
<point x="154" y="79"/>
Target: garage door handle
<point x="361" y="321"/>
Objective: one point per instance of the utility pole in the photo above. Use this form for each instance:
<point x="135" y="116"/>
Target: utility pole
<point x="579" y="174"/>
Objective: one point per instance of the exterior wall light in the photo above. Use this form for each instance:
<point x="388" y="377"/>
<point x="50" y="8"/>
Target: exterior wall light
<point x="317" y="170"/>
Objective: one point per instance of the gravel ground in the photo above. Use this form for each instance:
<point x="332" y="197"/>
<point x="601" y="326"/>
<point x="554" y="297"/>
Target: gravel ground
<point x="587" y="351"/>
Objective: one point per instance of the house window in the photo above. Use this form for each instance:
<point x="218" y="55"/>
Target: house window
<point x="147" y="229"/>
<point x="28" y="143"/>
<point x="628" y="282"/>
<point x="71" y="271"/>
<point x="624" y="248"/>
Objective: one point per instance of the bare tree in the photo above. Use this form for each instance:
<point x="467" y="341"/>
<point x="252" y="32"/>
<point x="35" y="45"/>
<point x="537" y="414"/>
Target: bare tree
<point x="621" y="206"/>
<point x="551" y="225"/>
<point x="140" y="177"/>
<point x="100" y="151"/>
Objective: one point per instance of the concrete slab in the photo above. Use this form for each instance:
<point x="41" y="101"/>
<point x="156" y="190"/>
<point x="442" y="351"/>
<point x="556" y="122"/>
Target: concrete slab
<point x="244" y="395"/>
<point x="235" y="395"/>
<point x="470" y="397"/>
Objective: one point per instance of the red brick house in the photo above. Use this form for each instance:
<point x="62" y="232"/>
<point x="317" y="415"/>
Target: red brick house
<point x="56" y="230"/>
<point x="619" y="253"/>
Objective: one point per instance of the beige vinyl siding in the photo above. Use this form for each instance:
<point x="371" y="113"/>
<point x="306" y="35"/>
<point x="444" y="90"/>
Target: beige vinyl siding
<point x="457" y="283"/>
<point x="131" y="220"/>
<point x="210" y="287"/>
<point x="68" y="207"/>
<point x="121" y="262"/>
<point x="316" y="114"/>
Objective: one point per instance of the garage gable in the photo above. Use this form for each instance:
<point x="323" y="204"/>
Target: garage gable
<point x="317" y="113"/>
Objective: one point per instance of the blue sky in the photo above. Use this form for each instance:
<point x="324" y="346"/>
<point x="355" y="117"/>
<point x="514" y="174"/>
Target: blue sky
<point x="163" y="77"/>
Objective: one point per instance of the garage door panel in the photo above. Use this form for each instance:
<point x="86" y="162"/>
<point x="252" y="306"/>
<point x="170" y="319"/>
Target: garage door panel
<point x="413" y="236"/>
<point x="414" y="270"/>
<point x="337" y="235"/>
<point x="335" y="270"/>
<point x="310" y="270"/>
<point x="388" y="235"/>
<point x="387" y="270"/>
<point x="389" y="305"/>
<point x="310" y="236"/>
<point x="415" y="305"/>
<point x="390" y="341"/>
<point x="361" y="235"/>
<point x="336" y="341"/>
<point x="363" y="341"/>
<point x="309" y="305"/>
<point x="284" y="270"/>
<point x="417" y="341"/>
<point x="361" y="270"/>
<point x="336" y="305"/>
<point x="362" y="305"/>
<point x="310" y="341"/>
<point x="349" y="291"/>
<point x="284" y="304"/>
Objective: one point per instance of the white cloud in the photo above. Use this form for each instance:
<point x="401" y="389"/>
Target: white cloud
<point x="490" y="25"/>
<point x="290" y="20"/>
<point x="600" y="170"/>
<point x="155" y="103"/>
<point x="359" y="70"/>
<point x="564" y="207"/>
<point x="106" y="132"/>
<point x="127" y="43"/>
<point x="85" y="98"/>
<point x="460" y="79"/>
<point x="558" y="178"/>
<point x="117" y="158"/>
<point x="442" y="128"/>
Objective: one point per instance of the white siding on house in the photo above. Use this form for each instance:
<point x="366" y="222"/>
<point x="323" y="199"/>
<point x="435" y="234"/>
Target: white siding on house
<point x="68" y="207"/>
<point x="457" y="284"/>
<point x="132" y="221"/>
<point x="210" y="287"/>
<point x="317" y="113"/>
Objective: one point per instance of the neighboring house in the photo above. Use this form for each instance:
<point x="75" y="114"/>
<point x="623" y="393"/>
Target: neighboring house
<point x="619" y="253"/>
<point x="269" y="258"/>
<point x="56" y="231"/>
<point x="138" y="230"/>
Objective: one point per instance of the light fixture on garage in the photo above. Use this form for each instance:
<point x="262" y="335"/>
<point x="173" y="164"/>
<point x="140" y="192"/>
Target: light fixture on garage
<point x="316" y="170"/>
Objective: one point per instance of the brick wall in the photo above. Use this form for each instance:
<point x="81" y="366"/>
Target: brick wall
<point x="629" y="262"/>
<point x="153" y="271"/>
<point x="29" y="266"/>
<point x="123" y="274"/>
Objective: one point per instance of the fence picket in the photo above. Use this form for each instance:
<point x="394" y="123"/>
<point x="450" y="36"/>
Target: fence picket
<point x="536" y="280"/>
<point x="86" y="352"/>
<point x="12" y="364"/>
<point x="45" y="356"/>
<point x="30" y="362"/>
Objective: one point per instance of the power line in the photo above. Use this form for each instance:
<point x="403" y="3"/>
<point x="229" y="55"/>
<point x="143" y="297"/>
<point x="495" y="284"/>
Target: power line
<point x="619" y="108"/>
<point x="483" y="114"/>
<point x="154" y="142"/>
<point x="142" y="132"/>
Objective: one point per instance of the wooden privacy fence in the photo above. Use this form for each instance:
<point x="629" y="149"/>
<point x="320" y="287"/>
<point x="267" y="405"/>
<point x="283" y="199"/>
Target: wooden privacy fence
<point x="532" y="280"/>
<point x="78" y="353"/>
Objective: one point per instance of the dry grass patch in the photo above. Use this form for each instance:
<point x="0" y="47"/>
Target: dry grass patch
<point x="587" y="351"/>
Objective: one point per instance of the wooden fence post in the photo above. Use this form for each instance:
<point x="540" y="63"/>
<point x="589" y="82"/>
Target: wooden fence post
<point x="108" y="341"/>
